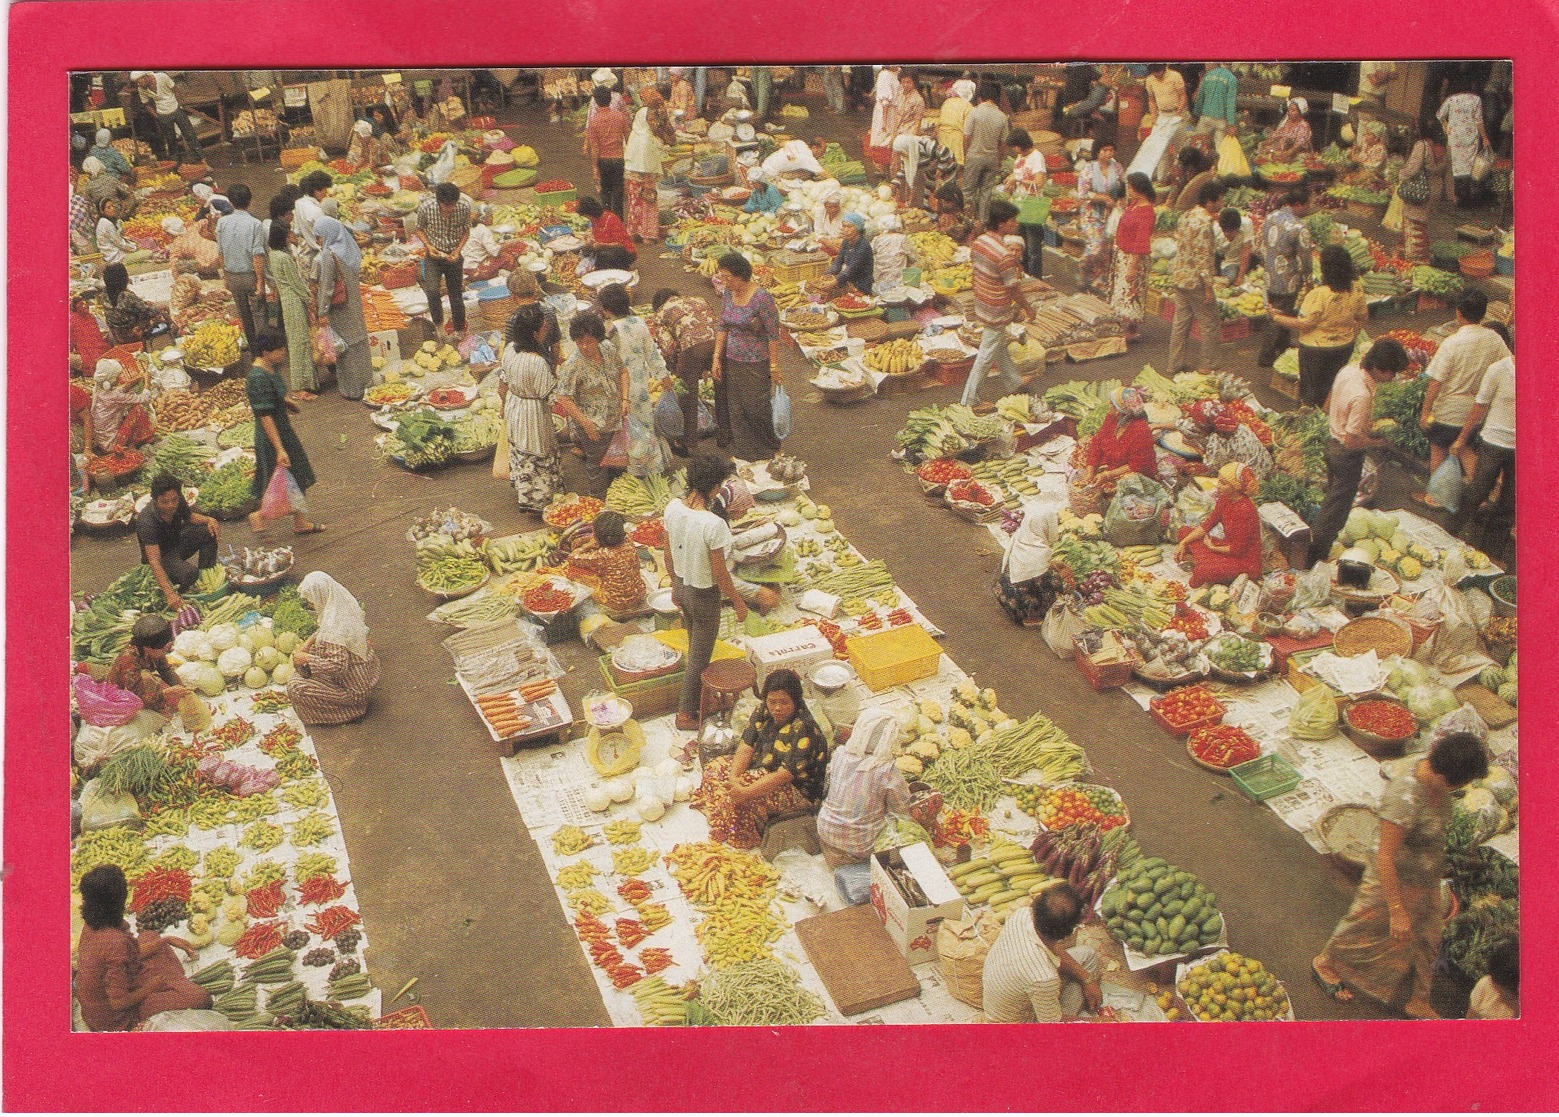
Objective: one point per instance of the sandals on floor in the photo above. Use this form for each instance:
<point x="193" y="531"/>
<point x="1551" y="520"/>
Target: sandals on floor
<point x="1336" y="990"/>
<point x="312" y="529"/>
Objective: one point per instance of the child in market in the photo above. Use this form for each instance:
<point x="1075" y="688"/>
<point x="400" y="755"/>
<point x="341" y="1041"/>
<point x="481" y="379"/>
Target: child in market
<point x="610" y="566"/>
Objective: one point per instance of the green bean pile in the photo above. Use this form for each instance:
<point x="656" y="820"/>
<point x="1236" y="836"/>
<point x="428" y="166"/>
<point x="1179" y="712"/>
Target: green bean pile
<point x="763" y="992"/>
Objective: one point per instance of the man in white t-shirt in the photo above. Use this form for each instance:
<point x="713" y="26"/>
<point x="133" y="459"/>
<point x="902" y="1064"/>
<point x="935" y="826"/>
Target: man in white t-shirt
<point x="1030" y="975"/>
<point x="1494" y="408"/>
<point x="157" y="90"/>
<point x="1455" y="372"/>
<point x="795" y="158"/>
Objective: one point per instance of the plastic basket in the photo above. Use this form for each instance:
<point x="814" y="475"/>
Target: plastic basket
<point x="1265" y="777"/>
<point x="896" y="656"/>
<point x="1102" y="676"/>
<point x="1155" y="711"/>
<point x="557" y="197"/>
<point x="651" y="697"/>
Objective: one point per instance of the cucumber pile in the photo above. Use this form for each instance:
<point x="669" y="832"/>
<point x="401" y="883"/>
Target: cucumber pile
<point x="1160" y="910"/>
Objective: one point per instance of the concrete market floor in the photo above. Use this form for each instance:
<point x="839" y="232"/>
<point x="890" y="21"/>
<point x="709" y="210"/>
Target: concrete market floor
<point x="453" y="890"/>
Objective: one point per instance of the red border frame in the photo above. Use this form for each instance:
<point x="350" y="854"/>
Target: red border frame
<point x="1311" y="1066"/>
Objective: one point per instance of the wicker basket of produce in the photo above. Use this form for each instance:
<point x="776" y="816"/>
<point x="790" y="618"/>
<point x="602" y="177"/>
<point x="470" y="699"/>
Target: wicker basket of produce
<point x="403" y="274"/>
<point x="1478" y="265"/>
<point x="868" y="330"/>
<point x="1221" y="747"/>
<point x="496" y="312"/>
<point x="1379" y="726"/>
<point x="1385" y="637"/>
<point x="107" y="471"/>
<point x="710" y="181"/>
<point x="193" y="172"/>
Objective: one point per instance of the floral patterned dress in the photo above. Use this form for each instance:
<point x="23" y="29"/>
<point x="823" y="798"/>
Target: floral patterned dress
<point x="647" y="451"/>
<point x="798" y="746"/>
<point x="527" y="415"/>
<point x="1093" y="217"/>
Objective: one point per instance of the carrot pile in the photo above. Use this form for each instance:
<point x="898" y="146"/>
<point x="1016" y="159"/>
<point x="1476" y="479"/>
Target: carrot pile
<point x="504" y="712"/>
<point x="380" y="311"/>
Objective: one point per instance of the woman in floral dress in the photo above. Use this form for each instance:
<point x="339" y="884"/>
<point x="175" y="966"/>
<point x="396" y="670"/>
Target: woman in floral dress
<point x="648" y="453"/>
<point x="525" y="385"/>
<point x="1133" y="244"/>
<point x="642" y="160"/>
<point x="1100" y="185"/>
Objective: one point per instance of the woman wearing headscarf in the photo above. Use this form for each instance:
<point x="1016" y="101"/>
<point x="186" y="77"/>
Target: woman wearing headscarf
<point x="339" y="262"/>
<point x="683" y="103"/>
<point x="130" y="318"/>
<point x="117" y="419"/>
<point x="1228" y="542"/>
<point x="890" y="255"/>
<point x="955" y="109"/>
<point x="336" y="668"/>
<point x="1291" y="138"/>
<point x="643" y="156"/>
<point x="1025" y="588"/>
<point x="297" y="308"/>
<point x="864" y="786"/>
<point x="828" y="221"/>
<point x="525" y="386"/>
<point x="1133" y="246"/>
<point x="481" y="255"/>
<point x="853" y="268"/>
<point x="189" y="252"/>
<point x="764" y="198"/>
<point x="365" y="152"/>
<point x="1124" y="442"/>
<point x="1368" y="153"/>
<point x="1101" y="185"/>
<point x="779" y="768"/>
<point x="212" y="205"/>
<point x="108" y="155"/>
<point x="1224" y="439"/>
<point x="115" y="247"/>
<point x="143" y="668"/>
<point x="102" y="186"/>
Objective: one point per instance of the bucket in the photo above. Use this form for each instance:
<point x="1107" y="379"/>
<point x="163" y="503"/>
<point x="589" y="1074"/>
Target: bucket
<point x="1503" y="592"/>
<point x="667" y="615"/>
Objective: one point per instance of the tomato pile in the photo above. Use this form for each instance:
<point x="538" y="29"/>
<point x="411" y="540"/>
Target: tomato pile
<point x="970" y="492"/>
<point x="1188" y="705"/>
<point x="1224" y="746"/>
<point x="546" y="598"/>
<point x="1056" y="807"/>
<point x="1188" y="622"/>
<point x="1242" y="411"/>
<point x="651" y="533"/>
<point x="955" y="827"/>
<point x="569" y="512"/>
<point x="553" y="186"/>
<point x="939" y="471"/>
<point x="834" y="635"/>
<point x="1384" y="719"/>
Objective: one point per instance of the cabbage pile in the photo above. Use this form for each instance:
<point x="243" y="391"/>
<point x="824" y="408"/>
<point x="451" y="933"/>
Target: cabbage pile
<point x="1376" y="538"/>
<point x="254" y="657"/>
<point x="1420" y="689"/>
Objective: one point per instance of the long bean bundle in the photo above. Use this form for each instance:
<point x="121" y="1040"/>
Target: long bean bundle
<point x="856" y="581"/>
<point x="966" y="778"/>
<point x="1035" y="742"/>
<point x="763" y="993"/>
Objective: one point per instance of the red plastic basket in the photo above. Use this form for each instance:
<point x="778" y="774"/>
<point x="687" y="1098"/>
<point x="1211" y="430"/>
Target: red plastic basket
<point x="1102" y="676"/>
<point x="1157" y="714"/>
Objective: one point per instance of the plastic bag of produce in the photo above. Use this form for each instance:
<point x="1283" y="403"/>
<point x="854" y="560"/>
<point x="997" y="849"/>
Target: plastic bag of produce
<point x="103" y="704"/>
<point x="95" y="744"/>
<point x="274" y="504"/>
<point x="781" y="411"/>
<point x="1445" y="485"/>
<point x="1138" y="514"/>
<point x="189" y="1020"/>
<point x="1314" y="716"/>
<point x="1463" y="719"/>
<point x="1486" y="813"/>
<point x="668" y="416"/>
<point x="1312" y="588"/>
<point x="101" y="809"/>
<point x="1062" y="624"/>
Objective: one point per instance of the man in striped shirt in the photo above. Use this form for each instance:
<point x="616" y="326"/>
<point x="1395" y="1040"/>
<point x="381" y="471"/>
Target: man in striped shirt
<point x="998" y="294"/>
<point x="1029" y="976"/>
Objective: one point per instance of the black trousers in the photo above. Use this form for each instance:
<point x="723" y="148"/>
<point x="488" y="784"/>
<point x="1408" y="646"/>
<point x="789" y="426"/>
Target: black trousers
<point x="1491" y="529"/>
<point x="612" y="195"/>
<point x="196" y="540"/>
<point x="1277" y="336"/>
<point x="1318" y="367"/>
<point x="453" y="274"/>
<point x="1344" y="468"/>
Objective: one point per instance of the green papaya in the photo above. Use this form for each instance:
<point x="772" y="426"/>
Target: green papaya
<point x="1177" y="927"/>
<point x="1164" y="886"/>
<point x="1187" y="890"/>
<point x="1192" y="909"/>
<point x="1154" y="912"/>
<point x="1151" y="947"/>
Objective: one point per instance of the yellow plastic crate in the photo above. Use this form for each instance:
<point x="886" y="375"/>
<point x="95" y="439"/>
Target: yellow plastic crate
<point x="894" y="657"/>
<point x="676" y="638"/>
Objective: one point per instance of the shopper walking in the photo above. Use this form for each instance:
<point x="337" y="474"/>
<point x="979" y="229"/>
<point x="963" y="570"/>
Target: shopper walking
<point x="525" y="386"/>
<point x="1492" y="425"/>
<point x="1461" y="115"/>
<point x="297" y="309"/>
<point x="1422" y="180"/>
<point x="1385" y="947"/>
<point x="1328" y="322"/>
<point x="1101" y="185"/>
<point x="606" y="135"/>
<point x="1214" y="106"/>
<point x="1025" y="188"/>
<point x="173" y="123"/>
<point x="985" y="130"/>
<point x="1133" y="245"/>
<point x="242" y="242"/>
<point x="275" y="444"/>
<point x="998" y="296"/>
<point x="643" y="366"/>
<point x="340" y="297"/>
<point x="833" y="88"/>
<point x="1455" y="375"/>
<point x="886" y="93"/>
<point x="1349" y="414"/>
<point x="1286" y="252"/>
<point x="652" y="133"/>
<point x="1194" y="269"/>
<point x="746" y="365"/>
<point x="697" y="554"/>
<point x="443" y="225"/>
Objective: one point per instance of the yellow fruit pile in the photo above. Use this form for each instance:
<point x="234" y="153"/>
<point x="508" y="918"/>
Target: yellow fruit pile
<point x="212" y="345"/>
<point x="933" y="249"/>
<point x="953" y="279"/>
<point x="1233" y="987"/>
<point x="431" y="358"/>
<point x="895" y="358"/>
<point x="1252" y="304"/>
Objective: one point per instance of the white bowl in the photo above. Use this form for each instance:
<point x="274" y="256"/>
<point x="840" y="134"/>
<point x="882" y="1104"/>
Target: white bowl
<point x="831" y="675"/>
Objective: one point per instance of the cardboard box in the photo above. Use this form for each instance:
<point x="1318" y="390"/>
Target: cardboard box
<point x="1291" y="532"/>
<point x="796" y="649"/>
<point x="912" y="925"/>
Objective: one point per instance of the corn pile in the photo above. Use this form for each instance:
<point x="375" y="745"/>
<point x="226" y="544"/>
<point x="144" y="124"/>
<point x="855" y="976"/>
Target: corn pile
<point x="735" y="893"/>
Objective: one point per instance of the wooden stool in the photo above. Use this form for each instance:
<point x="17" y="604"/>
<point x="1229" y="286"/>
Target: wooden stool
<point x="797" y="830"/>
<point x="723" y="683"/>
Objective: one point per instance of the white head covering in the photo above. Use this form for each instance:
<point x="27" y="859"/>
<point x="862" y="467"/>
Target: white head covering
<point x="832" y="197"/>
<point x="363" y="128"/>
<point x="873" y="737"/>
<point x="107" y="373"/>
<point x="889" y="223"/>
<point x="340" y="616"/>
<point x="333" y="235"/>
<point x="964" y="88"/>
<point x="605" y="77"/>
<point x="202" y="191"/>
<point x="137" y="75"/>
<point x="757" y="175"/>
<point x="1028" y="554"/>
<point x="1300" y="103"/>
<point x="173" y="226"/>
<point x="104" y="137"/>
<point x="92" y="165"/>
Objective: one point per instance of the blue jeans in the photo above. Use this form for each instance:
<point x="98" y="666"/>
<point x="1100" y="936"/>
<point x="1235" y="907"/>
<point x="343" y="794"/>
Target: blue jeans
<point x="993" y="348"/>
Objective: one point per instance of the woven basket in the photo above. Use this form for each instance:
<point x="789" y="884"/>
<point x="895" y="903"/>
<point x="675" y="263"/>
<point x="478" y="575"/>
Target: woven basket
<point x="466" y="177"/>
<point x="867" y="329"/>
<point x="496" y="312"/>
<point x="294" y="157"/>
<point x="1479" y="265"/>
<point x="193" y="172"/>
<point x="393" y="276"/>
<point x="1384" y="637"/>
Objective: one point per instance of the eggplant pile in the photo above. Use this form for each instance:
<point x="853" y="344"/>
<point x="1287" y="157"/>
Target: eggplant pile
<point x="1079" y="855"/>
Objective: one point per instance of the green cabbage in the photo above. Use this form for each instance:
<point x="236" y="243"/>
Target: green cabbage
<point x="1431" y="702"/>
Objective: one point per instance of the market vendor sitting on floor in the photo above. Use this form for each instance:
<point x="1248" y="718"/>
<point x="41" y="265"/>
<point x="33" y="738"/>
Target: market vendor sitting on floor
<point x="1031" y="975"/>
<point x="189" y="251"/>
<point x="130" y="318"/>
<point x="863" y="786"/>
<point x="117" y="418"/>
<point x="1217" y="430"/>
<point x="1123" y="443"/>
<point x="610" y="245"/>
<point x="1291" y="138"/>
<point x="853" y="265"/>
<point x="951" y="220"/>
<point x="169" y="534"/>
<point x="778" y="769"/>
<point x="797" y="159"/>
<point x="143" y="668"/>
<point x="336" y="668"/>
<point x="765" y="198"/>
<point x="482" y="254"/>
<point x="828" y="221"/>
<point x="1025" y="587"/>
<point x="1237" y="548"/>
<point x="609" y="564"/>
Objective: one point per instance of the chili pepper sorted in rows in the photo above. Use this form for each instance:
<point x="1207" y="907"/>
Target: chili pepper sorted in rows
<point x="265" y="901"/>
<point x="634" y="891"/>
<point x="630" y="932"/>
<point x="332" y="921"/>
<point x="625" y="976"/>
<point x="259" y="940"/>
<point x="320" y="890"/>
<point x="654" y="959"/>
<point x="160" y="884"/>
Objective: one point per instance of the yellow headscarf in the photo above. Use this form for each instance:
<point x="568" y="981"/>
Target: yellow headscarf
<point x="1239" y="476"/>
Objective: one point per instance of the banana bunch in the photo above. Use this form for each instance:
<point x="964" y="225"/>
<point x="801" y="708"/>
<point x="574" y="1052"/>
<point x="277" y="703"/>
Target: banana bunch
<point x="976" y="428"/>
<point x="895" y="358"/>
<point x="212" y="345"/>
<point x="952" y="279"/>
<point x="1006" y="876"/>
<point x="1010" y="473"/>
<point x="787" y="295"/>
<point x="1251" y="304"/>
<point x="933" y="249"/>
<point x="707" y="266"/>
<point x="1015" y="409"/>
<point x="525" y="552"/>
